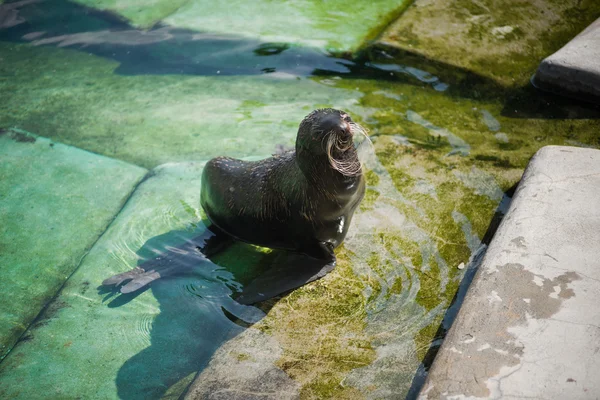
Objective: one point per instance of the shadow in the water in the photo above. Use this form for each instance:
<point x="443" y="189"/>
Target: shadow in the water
<point x="168" y="50"/>
<point x="197" y="312"/>
<point x="529" y="102"/>
<point x="159" y="50"/>
<point x="519" y="102"/>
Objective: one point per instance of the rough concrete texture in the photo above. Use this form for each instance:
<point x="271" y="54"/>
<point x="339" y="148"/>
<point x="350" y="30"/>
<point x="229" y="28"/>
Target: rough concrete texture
<point x="530" y="323"/>
<point x="503" y="40"/>
<point x="91" y="344"/>
<point x="55" y="202"/>
<point x="574" y="70"/>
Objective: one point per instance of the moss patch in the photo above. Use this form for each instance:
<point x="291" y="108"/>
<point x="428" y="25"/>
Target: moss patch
<point x="499" y="39"/>
<point x="321" y="328"/>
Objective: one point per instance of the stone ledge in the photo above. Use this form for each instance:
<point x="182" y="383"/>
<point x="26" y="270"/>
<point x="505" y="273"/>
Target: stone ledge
<point x="574" y="70"/>
<point x="530" y="323"/>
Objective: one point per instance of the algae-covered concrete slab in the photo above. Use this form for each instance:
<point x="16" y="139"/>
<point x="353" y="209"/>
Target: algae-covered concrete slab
<point x="55" y="201"/>
<point x="574" y="70"/>
<point x="338" y="25"/>
<point x="499" y="39"/>
<point x="427" y="208"/>
<point x="530" y="322"/>
<point x="91" y="344"/>
<point x="148" y="119"/>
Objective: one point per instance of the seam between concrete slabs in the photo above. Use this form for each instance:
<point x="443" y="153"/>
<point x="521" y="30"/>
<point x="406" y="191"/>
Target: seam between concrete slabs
<point x="375" y="33"/>
<point x="147" y="175"/>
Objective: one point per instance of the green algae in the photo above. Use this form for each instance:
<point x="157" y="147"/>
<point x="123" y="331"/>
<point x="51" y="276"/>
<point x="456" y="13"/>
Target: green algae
<point x="334" y="25"/>
<point x="501" y="40"/>
<point x="425" y="337"/>
<point x="143" y="15"/>
<point x="243" y="357"/>
<point x="321" y="330"/>
<point x="310" y="22"/>
<point x="370" y="198"/>
<point x="372" y="178"/>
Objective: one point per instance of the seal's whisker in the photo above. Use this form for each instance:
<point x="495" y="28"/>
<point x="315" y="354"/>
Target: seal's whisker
<point x="365" y="149"/>
<point x="327" y="147"/>
<point x="356" y="128"/>
<point x="347" y="168"/>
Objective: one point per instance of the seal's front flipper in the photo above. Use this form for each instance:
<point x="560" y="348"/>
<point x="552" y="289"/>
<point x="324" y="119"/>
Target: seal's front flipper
<point x="290" y="271"/>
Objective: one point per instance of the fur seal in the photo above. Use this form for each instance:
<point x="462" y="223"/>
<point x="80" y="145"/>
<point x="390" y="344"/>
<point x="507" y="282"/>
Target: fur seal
<point x="301" y="201"/>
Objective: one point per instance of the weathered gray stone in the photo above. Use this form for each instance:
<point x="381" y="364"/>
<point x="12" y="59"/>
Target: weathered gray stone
<point x="530" y="323"/>
<point x="574" y="70"/>
<point x="55" y="201"/>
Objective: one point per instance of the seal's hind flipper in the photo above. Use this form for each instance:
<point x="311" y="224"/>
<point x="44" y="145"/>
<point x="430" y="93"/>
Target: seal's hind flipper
<point x="143" y="279"/>
<point x="290" y="271"/>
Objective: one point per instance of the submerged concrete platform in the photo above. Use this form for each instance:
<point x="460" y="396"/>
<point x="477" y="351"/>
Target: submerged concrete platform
<point x="145" y="345"/>
<point x="574" y="70"/>
<point x="55" y="201"/>
<point x="530" y="324"/>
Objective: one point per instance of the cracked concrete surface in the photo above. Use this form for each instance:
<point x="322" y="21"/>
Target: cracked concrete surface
<point x="530" y="324"/>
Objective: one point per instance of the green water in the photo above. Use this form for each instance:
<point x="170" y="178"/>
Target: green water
<point x="115" y="100"/>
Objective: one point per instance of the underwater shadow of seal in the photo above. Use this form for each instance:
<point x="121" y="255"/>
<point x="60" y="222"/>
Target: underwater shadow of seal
<point x="197" y="314"/>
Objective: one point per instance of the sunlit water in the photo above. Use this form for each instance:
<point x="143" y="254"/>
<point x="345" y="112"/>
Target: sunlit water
<point x="438" y="172"/>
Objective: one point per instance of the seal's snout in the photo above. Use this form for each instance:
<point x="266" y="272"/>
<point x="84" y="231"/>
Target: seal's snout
<point x="336" y="123"/>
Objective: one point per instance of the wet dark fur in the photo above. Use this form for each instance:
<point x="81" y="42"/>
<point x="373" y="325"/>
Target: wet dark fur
<point x="294" y="201"/>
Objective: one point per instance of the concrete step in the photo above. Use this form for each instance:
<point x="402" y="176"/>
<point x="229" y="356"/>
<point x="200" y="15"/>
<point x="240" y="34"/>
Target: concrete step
<point x="530" y="322"/>
<point x="55" y="201"/>
<point x="574" y="70"/>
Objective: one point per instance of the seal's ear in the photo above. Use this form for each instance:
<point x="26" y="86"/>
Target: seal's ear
<point x="289" y="271"/>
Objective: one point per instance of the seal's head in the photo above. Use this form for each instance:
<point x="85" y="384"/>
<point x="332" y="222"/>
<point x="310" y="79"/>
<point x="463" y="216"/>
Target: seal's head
<point x="328" y="134"/>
